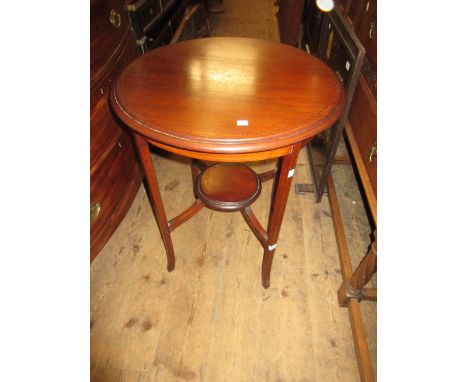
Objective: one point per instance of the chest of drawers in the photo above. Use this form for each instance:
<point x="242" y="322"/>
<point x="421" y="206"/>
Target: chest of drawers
<point x="114" y="172"/>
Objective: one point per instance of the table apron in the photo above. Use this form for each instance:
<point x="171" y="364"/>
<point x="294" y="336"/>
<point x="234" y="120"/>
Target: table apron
<point x="225" y="157"/>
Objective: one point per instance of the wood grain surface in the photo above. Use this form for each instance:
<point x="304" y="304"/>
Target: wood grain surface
<point x="192" y="94"/>
<point x="228" y="186"/>
<point x="210" y="319"/>
<point x="115" y="175"/>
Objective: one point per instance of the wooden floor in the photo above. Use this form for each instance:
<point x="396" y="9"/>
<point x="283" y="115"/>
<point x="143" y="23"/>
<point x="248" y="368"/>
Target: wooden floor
<point x="211" y="319"/>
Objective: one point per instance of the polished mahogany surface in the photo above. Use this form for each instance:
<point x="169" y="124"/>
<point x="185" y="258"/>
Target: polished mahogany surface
<point x="115" y="175"/>
<point x="227" y="100"/>
<point x="228" y="186"/>
<point x="198" y="95"/>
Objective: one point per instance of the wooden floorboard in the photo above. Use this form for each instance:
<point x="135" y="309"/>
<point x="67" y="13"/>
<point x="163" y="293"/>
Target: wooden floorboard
<point x="210" y="319"/>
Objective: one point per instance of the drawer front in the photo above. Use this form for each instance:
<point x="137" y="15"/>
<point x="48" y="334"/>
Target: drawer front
<point x="127" y="52"/>
<point x="363" y="120"/>
<point x="113" y="187"/>
<point x="367" y="31"/>
<point x="105" y="128"/>
<point x="109" y="22"/>
<point x="370" y="74"/>
<point x="115" y="174"/>
<point x="105" y="132"/>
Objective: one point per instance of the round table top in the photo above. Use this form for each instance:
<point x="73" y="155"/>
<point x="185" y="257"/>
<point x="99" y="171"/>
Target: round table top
<point x="228" y="95"/>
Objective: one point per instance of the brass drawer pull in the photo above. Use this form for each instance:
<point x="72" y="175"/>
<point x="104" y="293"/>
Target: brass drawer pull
<point x="95" y="209"/>
<point x="373" y="152"/>
<point x="115" y="19"/>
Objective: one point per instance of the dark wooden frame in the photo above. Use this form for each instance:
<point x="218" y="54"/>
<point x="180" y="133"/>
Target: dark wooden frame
<point x="334" y="22"/>
<point x="352" y="289"/>
<point x="138" y="13"/>
<point x="196" y="24"/>
<point x="158" y="29"/>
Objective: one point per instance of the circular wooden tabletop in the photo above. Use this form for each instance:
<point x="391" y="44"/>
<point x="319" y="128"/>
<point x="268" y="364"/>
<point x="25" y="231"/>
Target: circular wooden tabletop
<point x="228" y="95"/>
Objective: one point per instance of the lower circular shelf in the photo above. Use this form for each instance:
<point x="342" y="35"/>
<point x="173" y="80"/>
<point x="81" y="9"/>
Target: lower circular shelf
<point x="228" y="186"/>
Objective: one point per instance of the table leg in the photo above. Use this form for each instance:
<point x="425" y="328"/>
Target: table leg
<point x="196" y="168"/>
<point x="154" y="196"/>
<point x="281" y="187"/>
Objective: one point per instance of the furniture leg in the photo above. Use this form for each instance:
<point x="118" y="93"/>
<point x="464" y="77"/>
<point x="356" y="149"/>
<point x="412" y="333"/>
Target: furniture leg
<point x="354" y="287"/>
<point x="196" y="167"/>
<point x="354" y="310"/>
<point x="154" y="196"/>
<point x="281" y="187"/>
<point x="255" y="226"/>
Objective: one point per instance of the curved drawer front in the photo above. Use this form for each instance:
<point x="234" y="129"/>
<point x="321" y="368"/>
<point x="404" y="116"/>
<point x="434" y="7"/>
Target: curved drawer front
<point x="115" y="174"/>
<point x="113" y="187"/>
<point x="109" y="23"/>
<point x="104" y="134"/>
<point x="105" y="128"/>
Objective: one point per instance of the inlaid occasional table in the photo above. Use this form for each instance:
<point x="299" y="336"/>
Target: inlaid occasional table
<point x="228" y="101"/>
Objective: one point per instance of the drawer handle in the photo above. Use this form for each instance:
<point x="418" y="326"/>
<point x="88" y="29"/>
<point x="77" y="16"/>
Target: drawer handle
<point x="373" y="152"/>
<point x="115" y="19"/>
<point x="95" y="209"/>
<point x="372" y="30"/>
